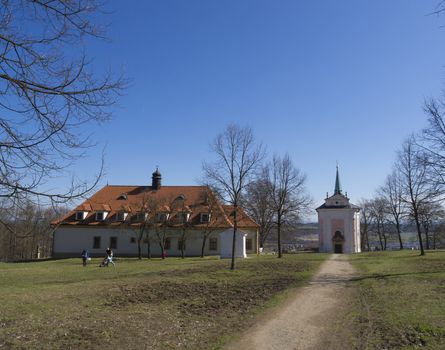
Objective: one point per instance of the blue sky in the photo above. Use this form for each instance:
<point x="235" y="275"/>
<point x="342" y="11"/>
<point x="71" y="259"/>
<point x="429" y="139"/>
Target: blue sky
<point x="325" y="81"/>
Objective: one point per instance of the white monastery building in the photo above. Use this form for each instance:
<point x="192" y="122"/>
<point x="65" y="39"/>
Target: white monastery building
<point x="339" y="223"/>
<point x="180" y="219"/>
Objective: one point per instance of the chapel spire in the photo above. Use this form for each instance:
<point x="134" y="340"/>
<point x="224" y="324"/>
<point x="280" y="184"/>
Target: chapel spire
<point x="337" y="189"/>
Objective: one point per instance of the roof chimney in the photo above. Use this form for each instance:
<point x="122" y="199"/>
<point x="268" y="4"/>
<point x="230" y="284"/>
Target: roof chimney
<point x="156" y="180"/>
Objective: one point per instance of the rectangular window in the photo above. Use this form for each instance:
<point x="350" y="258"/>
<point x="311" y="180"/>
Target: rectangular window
<point x="167" y="244"/>
<point x="113" y="242"/>
<point x="205" y="217"/>
<point x="120" y="216"/>
<point x="213" y="243"/>
<point x="100" y="216"/>
<point x="182" y="217"/>
<point x="249" y="244"/>
<point x="141" y="216"/>
<point x="162" y="217"/>
<point x="132" y="240"/>
<point x="96" y="242"/>
<point x="79" y="215"/>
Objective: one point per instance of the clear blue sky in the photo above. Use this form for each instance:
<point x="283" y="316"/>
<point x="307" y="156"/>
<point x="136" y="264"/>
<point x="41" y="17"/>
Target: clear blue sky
<point x="326" y="81"/>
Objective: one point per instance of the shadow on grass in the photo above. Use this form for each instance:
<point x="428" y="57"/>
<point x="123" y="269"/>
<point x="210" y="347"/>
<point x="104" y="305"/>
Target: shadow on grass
<point x="389" y="275"/>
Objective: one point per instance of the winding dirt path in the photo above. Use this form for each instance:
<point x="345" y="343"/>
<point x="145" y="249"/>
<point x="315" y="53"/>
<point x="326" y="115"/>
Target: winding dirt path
<point x="311" y="319"/>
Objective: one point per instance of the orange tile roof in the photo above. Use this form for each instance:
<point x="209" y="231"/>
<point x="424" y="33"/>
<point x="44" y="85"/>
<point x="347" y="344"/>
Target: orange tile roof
<point x="243" y="219"/>
<point x="169" y="199"/>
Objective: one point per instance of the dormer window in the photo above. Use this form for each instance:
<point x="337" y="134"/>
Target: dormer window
<point x="162" y="217"/>
<point x="205" y="217"/>
<point x="183" y="217"/>
<point x="121" y="216"/>
<point x="122" y="196"/>
<point x="141" y="216"/>
<point x="101" y="215"/>
<point x="81" y="215"/>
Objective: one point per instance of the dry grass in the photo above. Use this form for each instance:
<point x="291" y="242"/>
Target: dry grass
<point x="400" y="300"/>
<point x="187" y="304"/>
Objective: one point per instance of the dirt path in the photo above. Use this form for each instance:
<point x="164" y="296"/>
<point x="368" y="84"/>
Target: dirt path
<point x="312" y="319"/>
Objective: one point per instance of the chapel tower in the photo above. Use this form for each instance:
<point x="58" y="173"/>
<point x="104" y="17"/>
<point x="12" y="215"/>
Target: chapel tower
<point x="338" y="223"/>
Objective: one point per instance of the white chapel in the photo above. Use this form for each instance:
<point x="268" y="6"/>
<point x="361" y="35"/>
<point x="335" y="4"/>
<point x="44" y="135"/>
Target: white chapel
<point x="339" y="223"/>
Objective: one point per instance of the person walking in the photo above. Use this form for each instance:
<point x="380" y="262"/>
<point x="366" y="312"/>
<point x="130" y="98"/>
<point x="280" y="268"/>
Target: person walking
<point x="84" y="256"/>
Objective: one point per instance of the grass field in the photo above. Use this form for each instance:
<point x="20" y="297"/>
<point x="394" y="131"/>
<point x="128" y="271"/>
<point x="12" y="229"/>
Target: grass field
<point x="400" y="300"/>
<point x="192" y="303"/>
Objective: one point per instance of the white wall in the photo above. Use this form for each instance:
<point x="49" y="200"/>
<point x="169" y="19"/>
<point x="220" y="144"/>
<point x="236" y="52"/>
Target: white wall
<point x="226" y="239"/>
<point x="351" y="229"/>
<point x="69" y="241"/>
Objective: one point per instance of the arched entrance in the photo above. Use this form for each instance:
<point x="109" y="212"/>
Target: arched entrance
<point x="337" y="242"/>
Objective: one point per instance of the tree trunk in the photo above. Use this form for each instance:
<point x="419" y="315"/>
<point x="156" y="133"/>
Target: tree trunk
<point x="204" y="239"/>
<point x="419" y="232"/>
<point x="148" y="249"/>
<point x="380" y="236"/>
<point x="139" y="249"/>
<point x="235" y="227"/>
<point x="280" y="253"/>
<point x="399" y="234"/>
<point x="162" y="245"/>
<point x="427" y="238"/>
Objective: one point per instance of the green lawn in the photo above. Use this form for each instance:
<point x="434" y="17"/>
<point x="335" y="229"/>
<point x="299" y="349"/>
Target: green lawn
<point x="400" y="300"/>
<point x="192" y="303"/>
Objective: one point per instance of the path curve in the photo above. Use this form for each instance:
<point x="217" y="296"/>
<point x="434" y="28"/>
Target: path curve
<point x="308" y="319"/>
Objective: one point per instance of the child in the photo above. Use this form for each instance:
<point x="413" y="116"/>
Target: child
<point x="84" y="257"/>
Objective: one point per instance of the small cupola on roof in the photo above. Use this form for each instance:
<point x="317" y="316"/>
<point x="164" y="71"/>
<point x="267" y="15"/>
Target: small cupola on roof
<point x="156" y="180"/>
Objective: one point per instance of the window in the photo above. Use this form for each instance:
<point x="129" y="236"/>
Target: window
<point x="96" y="242"/>
<point x="249" y="244"/>
<point x="113" y="242"/>
<point x="141" y="216"/>
<point x="213" y="244"/>
<point x="183" y="217"/>
<point x="132" y="240"/>
<point x="121" y="216"/>
<point x="181" y="244"/>
<point x="80" y="215"/>
<point x="167" y="244"/>
<point x="100" y="216"/>
<point x="205" y="217"/>
<point x="162" y="217"/>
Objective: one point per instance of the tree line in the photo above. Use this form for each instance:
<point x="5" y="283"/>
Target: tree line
<point x="412" y="194"/>
<point x="272" y="191"/>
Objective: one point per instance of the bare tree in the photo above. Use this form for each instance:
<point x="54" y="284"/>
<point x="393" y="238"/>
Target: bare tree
<point x="143" y="222"/>
<point x="287" y="192"/>
<point x="47" y="94"/>
<point x="181" y="221"/>
<point x="213" y="207"/>
<point x="25" y="230"/>
<point x="378" y="217"/>
<point x="430" y="217"/>
<point x="419" y="187"/>
<point x="163" y="219"/>
<point x="365" y="222"/>
<point x="237" y="159"/>
<point x="258" y="204"/>
<point x="433" y="139"/>
<point x="392" y="193"/>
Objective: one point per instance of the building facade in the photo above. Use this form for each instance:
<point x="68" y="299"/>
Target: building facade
<point x="339" y="223"/>
<point x="180" y="219"/>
